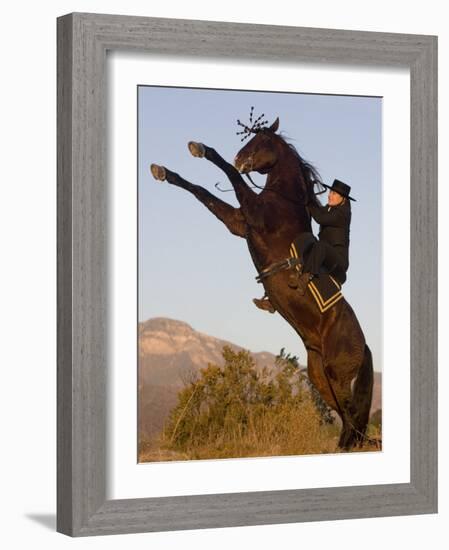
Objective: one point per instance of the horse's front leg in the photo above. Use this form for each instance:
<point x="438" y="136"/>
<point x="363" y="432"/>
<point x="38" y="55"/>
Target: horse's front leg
<point x="230" y="216"/>
<point x="245" y="195"/>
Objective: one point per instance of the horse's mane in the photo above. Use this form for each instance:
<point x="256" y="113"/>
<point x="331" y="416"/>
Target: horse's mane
<point x="309" y="172"/>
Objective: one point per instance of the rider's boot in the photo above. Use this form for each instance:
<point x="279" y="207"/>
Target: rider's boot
<point x="300" y="282"/>
<point x="264" y="303"/>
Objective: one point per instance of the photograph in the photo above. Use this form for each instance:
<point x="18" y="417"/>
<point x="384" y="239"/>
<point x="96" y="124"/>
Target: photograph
<point x="260" y="273"/>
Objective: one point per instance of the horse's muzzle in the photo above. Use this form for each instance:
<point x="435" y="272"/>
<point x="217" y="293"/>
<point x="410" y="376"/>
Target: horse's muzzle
<point x="242" y="166"/>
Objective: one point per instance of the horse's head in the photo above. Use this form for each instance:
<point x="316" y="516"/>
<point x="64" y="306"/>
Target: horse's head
<point x="260" y="154"/>
<point x="267" y="150"/>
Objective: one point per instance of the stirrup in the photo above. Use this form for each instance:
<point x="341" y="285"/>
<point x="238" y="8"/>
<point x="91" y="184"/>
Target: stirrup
<point x="293" y="280"/>
<point x="303" y="282"/>
<point x="264" y="304"/>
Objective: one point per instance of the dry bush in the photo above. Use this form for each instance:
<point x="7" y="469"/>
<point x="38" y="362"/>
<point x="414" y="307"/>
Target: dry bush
<point x="237" y="411"/>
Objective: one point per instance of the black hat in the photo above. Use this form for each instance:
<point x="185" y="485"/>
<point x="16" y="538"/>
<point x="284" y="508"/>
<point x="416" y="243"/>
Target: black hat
<point x="340" y="188"/>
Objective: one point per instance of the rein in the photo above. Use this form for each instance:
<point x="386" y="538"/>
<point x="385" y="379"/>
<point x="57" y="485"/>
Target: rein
<point x="255" y="186"/>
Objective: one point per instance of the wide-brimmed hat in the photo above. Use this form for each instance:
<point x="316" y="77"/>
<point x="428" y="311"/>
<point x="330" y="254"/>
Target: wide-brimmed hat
<point x="341" y="188"/>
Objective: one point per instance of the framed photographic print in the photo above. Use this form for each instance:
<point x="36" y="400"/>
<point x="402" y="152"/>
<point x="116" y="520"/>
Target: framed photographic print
<point x="246" y="274"/>
<point x="175" y="257"/>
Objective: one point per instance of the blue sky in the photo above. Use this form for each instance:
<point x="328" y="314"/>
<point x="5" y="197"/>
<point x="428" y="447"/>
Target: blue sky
<point x="190" y="267"/>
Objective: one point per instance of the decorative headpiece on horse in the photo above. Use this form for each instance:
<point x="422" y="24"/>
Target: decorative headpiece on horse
<point x="254" y="127"/>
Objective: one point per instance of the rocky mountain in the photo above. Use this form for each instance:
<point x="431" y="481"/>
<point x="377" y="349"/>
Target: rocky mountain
<point x="171" y="353"/>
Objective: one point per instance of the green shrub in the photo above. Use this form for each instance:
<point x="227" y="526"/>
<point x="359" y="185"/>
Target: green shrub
<point x="238" y="410"/>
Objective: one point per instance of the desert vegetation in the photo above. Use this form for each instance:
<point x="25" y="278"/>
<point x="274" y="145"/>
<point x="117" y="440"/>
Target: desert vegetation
<point x="237" y="410"/>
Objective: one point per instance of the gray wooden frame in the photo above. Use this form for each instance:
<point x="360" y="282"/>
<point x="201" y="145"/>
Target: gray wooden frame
<point x="83" y="40"/>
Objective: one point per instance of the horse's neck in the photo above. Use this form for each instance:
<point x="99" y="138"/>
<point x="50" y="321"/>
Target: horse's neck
<point x="286" y="182"/>
<point x="286" y="177"/>
<point x="283" y="186"/>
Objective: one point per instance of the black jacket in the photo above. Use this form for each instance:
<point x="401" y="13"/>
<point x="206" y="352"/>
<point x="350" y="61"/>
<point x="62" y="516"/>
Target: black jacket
<point x="334" y="226"/>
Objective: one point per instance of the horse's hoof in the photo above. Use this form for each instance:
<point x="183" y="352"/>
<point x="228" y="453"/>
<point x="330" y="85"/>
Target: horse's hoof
<point x="197" y="149"/>
<point x="158" y="172"/>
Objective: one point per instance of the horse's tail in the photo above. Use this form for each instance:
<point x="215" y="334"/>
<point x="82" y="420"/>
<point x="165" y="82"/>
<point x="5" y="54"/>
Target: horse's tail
<point x="363" y="393"/>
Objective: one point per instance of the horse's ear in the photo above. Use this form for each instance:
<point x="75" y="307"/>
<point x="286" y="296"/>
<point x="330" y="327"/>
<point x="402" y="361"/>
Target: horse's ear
<point x="275" y="126"/>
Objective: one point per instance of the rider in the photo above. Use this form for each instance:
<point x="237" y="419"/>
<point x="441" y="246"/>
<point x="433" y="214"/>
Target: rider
<point x="331" y="250"/>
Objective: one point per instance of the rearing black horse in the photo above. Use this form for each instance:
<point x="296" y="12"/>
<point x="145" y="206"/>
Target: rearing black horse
<point x="339" y="362"/>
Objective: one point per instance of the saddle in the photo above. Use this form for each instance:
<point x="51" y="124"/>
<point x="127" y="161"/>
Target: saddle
<point x="324" y="288"/>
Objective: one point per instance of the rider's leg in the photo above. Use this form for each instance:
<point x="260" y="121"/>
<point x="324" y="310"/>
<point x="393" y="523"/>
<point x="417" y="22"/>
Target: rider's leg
<point x="324" y="256"/>
<point x="300" y="277"/>
<point x="335" y="263"/>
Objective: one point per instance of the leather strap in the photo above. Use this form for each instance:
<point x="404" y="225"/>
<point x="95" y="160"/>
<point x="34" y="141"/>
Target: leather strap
<point x="276" y="267"/>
